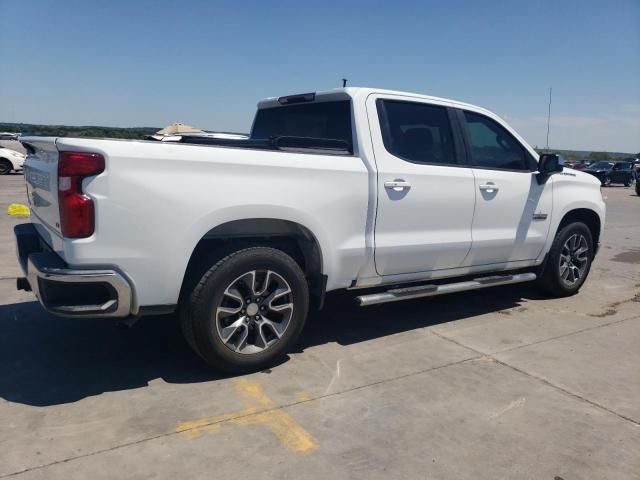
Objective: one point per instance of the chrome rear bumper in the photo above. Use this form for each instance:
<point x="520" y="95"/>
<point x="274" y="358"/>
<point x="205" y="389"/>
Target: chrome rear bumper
<point x="65" y="291"/>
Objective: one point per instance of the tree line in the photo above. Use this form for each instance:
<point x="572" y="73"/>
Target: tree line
<point x="83" y="131"/>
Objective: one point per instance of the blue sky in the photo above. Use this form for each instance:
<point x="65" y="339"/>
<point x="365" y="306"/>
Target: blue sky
<point x="207" y="63"/>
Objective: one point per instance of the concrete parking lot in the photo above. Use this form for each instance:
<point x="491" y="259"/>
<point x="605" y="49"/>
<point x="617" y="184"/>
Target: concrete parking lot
<point x="499" y="383"/>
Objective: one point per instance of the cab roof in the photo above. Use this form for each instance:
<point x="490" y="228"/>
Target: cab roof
<point x="352" y="92"/>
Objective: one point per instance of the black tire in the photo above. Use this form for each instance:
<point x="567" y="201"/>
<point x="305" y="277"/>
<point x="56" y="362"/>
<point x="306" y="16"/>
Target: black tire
<point x="627" y="184"/>
<point x="199" y="313"/>
<point x="550" y="280"/>
<point x="5" y="167"/>
<point x="637" y="187"/>
<point x="607" y="181"/>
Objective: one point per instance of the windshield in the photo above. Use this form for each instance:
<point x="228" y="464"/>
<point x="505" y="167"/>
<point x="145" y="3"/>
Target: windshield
<point x="601" y="165"/>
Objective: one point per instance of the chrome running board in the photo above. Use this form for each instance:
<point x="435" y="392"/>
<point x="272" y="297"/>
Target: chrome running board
<point x="419" y="291"/>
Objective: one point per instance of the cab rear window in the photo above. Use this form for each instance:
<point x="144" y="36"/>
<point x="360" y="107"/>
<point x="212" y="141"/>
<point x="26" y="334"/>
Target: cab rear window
<point x="321" y="120"/>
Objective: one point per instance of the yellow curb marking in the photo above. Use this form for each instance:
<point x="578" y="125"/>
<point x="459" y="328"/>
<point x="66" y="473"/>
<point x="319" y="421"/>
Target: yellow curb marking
<point x="288" y="431"/>
<point x="18" y="210"/>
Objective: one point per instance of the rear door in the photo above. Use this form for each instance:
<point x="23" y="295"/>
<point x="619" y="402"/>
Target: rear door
<point x="513" y="212"/>
<point x="426" y="195"/>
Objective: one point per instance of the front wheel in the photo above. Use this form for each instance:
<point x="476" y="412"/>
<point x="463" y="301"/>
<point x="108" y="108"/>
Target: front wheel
<point x="5" y="167"/>
<point x="247" y="310"/>
<point x="637" y="187"/>
<point x="568" y="262"/>
<point x="607" y="181"/>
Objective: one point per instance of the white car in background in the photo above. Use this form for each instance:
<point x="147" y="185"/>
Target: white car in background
<point x="10" y="160"/>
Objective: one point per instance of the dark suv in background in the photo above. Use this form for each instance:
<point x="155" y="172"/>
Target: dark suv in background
<point x="612" y="172"/>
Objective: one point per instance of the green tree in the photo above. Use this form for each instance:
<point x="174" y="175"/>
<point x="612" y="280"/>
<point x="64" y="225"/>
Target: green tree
<point x="599" y="156"/>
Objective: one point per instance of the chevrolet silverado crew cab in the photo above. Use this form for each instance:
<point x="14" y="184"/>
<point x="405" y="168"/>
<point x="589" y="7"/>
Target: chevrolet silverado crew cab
<point x="390" y="195"/>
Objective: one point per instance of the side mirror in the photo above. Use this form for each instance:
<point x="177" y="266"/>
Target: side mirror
<point x="548" y="164"/>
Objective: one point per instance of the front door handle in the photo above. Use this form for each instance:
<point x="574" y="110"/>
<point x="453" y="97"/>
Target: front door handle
<point x="397" y="185"/>
<point x="489" y="187"/>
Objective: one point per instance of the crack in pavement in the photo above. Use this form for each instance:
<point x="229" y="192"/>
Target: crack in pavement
<point x="568" y="392"/>
<point x="545" y="381"/>
<point x="595" y="327"/>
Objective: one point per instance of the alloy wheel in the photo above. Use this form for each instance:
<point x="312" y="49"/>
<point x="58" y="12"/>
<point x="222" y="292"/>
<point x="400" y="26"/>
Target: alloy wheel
<point x="574" y="259"/>
<point x="254" y="312"/>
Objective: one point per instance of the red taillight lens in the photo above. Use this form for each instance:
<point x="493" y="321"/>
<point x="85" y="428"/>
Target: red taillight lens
<point x="77" y="216"/>
<point x="80" y="164"/>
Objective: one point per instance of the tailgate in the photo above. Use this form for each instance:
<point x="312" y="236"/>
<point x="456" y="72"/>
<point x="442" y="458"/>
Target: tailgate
<point x="41" y="177"/>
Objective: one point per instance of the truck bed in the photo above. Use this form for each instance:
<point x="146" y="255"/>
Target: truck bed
<point x="156" y="200"/>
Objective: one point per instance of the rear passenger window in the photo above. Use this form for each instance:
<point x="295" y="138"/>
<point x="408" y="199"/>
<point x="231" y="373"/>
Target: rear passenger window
<point x="416" y="132"/>
<point x="492" y="146"/>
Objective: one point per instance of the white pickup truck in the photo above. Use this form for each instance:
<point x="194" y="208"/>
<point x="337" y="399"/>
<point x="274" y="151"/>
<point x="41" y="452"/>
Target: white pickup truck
<point x="390" y="195"/>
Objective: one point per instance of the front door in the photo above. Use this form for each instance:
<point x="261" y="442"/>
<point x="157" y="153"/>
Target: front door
<point x="513" y="211"/>
<point x="426" y="195"/>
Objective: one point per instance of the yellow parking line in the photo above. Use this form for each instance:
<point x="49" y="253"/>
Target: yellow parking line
<point x="260" y="411"/>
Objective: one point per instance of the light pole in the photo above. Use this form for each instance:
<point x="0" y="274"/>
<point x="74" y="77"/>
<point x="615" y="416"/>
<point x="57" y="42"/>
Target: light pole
<point x="548" y="120"/>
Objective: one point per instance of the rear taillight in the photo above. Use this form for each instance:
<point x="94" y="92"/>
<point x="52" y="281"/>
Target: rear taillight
<point x="77" y="217"/>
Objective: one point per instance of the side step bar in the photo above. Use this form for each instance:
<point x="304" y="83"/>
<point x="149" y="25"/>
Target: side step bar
<point x="419" y="291"/>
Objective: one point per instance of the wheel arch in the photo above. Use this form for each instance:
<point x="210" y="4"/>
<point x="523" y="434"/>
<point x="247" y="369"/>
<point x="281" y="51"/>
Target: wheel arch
<point x="587" y="216"/>
<point x="291" y="237"/>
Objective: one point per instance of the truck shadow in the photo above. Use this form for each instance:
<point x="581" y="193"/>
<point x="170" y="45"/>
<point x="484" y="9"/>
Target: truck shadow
<point x="45" y="360"/>
<point x="343" y="322"/>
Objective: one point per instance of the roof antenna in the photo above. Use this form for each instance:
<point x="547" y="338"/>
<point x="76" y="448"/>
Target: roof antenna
<point x="344" y="82"/>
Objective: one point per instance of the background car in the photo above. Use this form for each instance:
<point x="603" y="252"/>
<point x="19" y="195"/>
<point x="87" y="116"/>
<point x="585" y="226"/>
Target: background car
<point x="612" y="172"/>
<point x="582" y="165"/>
<point x="622" y="172"/>
<point x="10" y="160"/>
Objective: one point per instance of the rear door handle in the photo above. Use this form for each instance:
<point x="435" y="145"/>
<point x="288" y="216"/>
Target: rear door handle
<point x="397" y="185"/>
<point x="489" y="187"/>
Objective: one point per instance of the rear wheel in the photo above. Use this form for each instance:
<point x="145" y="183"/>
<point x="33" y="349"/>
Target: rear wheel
<point x="247" y="310"/>
<point x="607" y="181"/>
<point x="5" y="167"/>
<point x="569" y="261"/>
